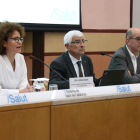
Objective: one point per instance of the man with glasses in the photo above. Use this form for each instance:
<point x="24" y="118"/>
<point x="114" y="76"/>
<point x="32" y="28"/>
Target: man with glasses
<point x="128" y="56"/>
<point x="72" y="63"/>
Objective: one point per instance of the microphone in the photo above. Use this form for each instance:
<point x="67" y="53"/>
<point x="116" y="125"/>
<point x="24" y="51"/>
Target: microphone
<point x="119" y="63"/>
<point x="33" y="58"/>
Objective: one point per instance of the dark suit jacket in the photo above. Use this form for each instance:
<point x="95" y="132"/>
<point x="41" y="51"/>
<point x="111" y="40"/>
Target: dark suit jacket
<point x="122" y="55"/>
<point x="63" y="65"/>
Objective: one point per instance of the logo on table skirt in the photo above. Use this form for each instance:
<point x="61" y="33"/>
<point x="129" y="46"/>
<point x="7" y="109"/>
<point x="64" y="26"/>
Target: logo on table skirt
<point x="16" y="99"/>
<point x="123" y="88"/>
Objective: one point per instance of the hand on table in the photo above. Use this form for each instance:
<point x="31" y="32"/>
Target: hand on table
<point x="27" y="89"/>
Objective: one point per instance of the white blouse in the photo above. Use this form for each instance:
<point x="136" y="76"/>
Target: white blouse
<point x="10" y="79"/>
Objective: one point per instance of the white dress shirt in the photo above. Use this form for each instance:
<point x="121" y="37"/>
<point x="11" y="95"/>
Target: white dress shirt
<point x="10" y="79"/>
<point x="134" y="60"/>
<point x="74" y="62"/>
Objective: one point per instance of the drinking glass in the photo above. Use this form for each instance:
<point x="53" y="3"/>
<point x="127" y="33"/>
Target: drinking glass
<point x="53" y="87"/>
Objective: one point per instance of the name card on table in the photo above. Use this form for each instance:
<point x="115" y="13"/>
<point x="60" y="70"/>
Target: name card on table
<point x="81" y="82"/>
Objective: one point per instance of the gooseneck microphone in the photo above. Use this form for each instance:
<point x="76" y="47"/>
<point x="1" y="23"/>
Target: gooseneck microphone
<point x="115" y="60"/>
<point x="120" y="63"/>
<point x="33" y="58"/>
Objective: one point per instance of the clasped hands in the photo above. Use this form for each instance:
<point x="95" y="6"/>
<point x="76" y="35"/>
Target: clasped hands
<point x="27" y="89"/>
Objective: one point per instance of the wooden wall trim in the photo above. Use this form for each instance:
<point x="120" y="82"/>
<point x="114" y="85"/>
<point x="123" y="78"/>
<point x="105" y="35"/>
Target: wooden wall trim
<point x="59" y="53"/>
<point x="131" y="12"/>
<point x="105" y="30"/>
<point x="99" y="53"/>
<point x="87" y="53"/>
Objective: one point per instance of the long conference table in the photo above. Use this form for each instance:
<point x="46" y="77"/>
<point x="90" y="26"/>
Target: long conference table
<point x="99" y="113"/>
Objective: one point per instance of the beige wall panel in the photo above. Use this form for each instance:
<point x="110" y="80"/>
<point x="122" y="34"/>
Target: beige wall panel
<point x="54" y="42"/>
<point x="105" y="14"/>
<point x="136" y="13"/>
<point x="100" y="63"/>
<point x="96" y="41"/>
<point x="48" y="60"/>
<point x="104" y="41"/>
<point x="27" y="46"/>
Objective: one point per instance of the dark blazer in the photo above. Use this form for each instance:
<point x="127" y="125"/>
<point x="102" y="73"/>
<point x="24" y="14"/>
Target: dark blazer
<point x="122" y="55"/>
<point x="63" y="65"/>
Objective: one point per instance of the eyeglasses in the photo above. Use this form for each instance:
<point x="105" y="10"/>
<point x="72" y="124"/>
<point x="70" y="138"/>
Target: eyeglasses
<point x="78" y="42"/>
<point x="137" y="39"/>
<point x="16" y="39"/>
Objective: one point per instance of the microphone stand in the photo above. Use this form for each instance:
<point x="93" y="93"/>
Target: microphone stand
<point x="120" y="63"/>
<point x="32" y="57"/>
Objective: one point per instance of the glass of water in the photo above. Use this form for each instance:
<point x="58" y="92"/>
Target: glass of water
<point x="53" y="87"/>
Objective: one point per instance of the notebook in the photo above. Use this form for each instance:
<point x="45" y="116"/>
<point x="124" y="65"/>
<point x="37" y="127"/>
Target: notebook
<point x="112" y="77"/>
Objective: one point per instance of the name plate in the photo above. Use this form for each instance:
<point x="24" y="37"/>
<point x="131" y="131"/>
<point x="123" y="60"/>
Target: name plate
<point x="74" y="93"/>
<point x="81" y="82"/>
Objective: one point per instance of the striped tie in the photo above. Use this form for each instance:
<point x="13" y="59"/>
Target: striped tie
<point x="80" y="70"/>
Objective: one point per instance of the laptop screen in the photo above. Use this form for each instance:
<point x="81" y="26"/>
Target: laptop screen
<point x="112" y="77"/>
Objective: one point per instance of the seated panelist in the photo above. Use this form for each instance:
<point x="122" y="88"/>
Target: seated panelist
<point x="13" y="71"/>
<point x="72" y="63"/>
<point x="128" y="56"/>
